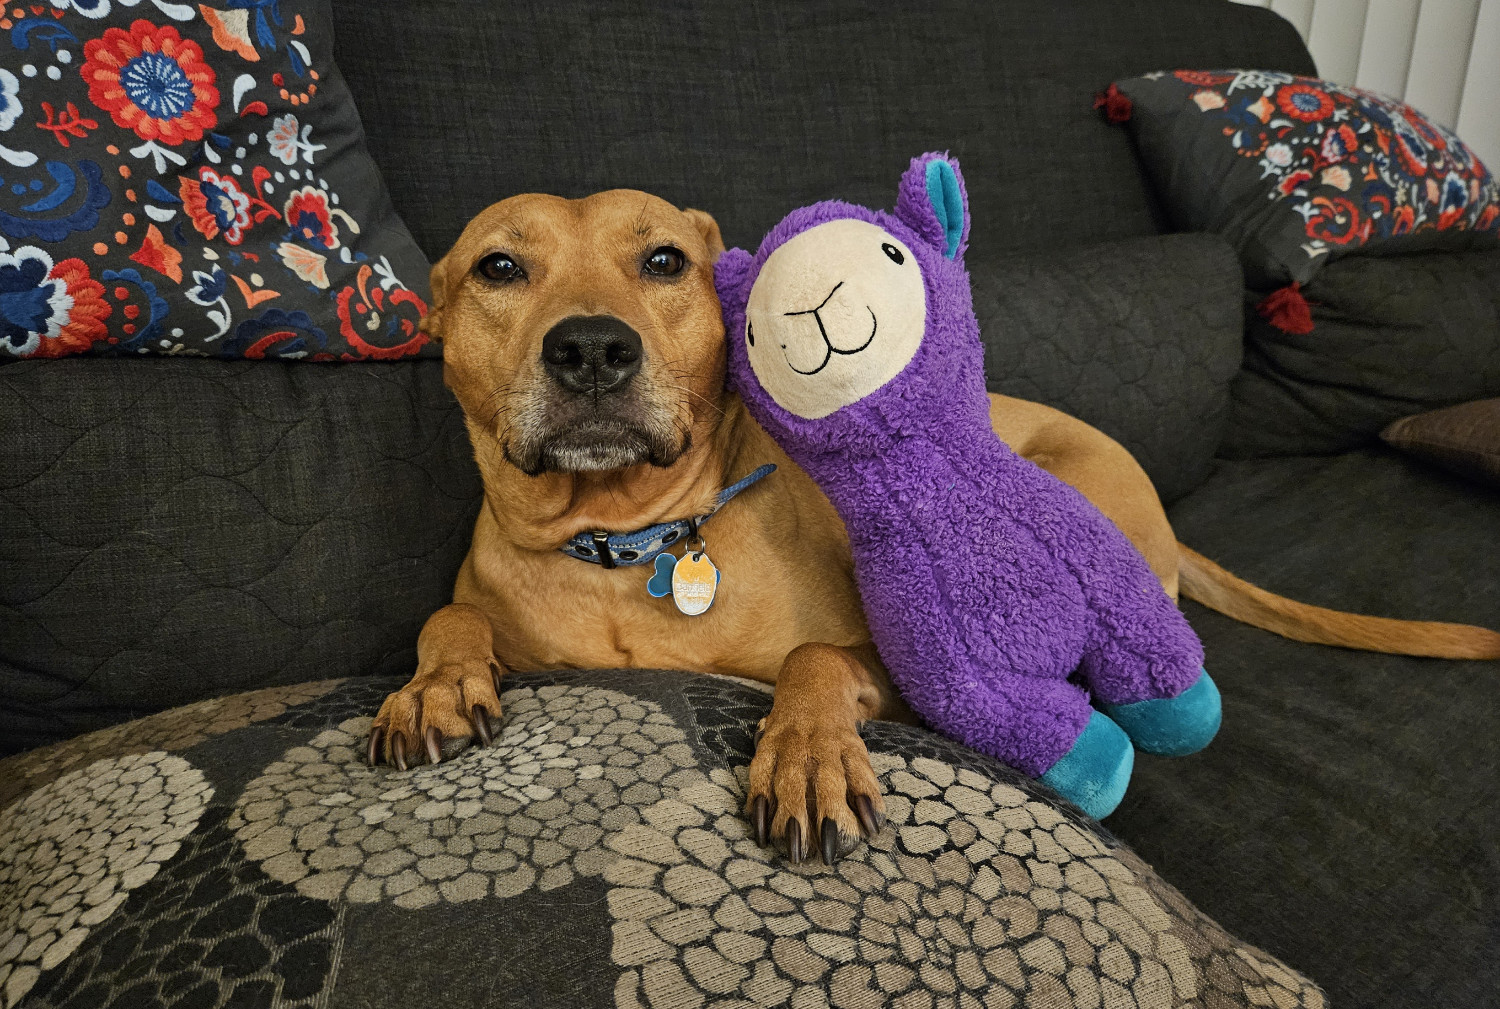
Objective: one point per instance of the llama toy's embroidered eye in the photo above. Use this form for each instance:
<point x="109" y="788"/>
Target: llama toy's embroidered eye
<point x="893" y="253"/>
<point x="749" y="334"/>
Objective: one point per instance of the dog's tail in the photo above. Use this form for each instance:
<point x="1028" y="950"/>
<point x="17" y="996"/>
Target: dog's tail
<point x="1203" y="581"/>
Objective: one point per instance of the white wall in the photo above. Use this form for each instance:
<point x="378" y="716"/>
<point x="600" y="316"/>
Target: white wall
<point x="1439" y="56"/>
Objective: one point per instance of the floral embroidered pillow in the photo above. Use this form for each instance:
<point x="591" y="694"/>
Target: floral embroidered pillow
<point x="1296" y="171"/>
<point x="192" y="179"/>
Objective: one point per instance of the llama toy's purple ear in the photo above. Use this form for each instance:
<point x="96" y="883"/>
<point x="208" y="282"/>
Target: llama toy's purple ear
<point x="933" y="203"/>
<point x="731" y="273"/>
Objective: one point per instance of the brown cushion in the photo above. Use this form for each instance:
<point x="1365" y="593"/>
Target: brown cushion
<point x="1464" y="439"/>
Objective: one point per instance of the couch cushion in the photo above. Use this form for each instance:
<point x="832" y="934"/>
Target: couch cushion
<point x="203" y="189"/>
<point x="175" y="529"/>
<point x="1139" y="338"/>
<point x="747" y="109"/>
<point x="1392" y="336"/>
<point x="172" y="529"/>
<point x="1297" y="172"/>
<point x="1348" y="807"/>
<point x="594" y="856"/>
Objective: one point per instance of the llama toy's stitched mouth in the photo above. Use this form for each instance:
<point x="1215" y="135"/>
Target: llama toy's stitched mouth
<point x="828" y="348"/>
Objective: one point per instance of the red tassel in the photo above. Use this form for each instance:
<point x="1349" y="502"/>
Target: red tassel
<point x="1116" y="106"/>
<point x="1287" y="309"/>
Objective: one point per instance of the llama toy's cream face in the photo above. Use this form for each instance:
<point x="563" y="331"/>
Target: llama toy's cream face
<point x="836" y="313"/>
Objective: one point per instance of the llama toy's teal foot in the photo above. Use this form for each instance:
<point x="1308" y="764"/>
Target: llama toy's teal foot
<point x="1093" y="775"/>
<point x="1173" y="726"/>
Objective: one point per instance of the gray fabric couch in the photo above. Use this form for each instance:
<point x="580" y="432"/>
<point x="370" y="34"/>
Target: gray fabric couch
<point x="175" y="530"/>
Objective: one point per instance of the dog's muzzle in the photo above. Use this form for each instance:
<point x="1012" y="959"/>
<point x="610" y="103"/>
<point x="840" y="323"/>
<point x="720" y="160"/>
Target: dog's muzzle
<point x="596" y="408"/>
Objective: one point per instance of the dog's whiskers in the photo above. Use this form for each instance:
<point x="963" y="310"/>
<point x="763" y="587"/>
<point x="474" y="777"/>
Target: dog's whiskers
<point x="503" y="391"/>
<point x="682" y="378"/>
<point x="696" y="395"/>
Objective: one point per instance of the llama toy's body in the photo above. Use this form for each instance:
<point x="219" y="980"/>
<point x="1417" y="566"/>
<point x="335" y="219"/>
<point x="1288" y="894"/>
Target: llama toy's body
<point x="1001" y="601"/>
<point x="988" y="583"/>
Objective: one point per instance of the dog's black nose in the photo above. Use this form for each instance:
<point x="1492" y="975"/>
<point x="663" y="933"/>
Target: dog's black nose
<point x="591" y="353"/>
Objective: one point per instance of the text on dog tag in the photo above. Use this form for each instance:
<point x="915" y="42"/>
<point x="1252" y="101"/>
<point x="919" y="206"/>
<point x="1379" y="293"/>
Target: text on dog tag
<point x="694" y="582"/>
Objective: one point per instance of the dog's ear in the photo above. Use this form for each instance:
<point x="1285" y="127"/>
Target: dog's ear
<point x="934" y="203"/>
<point x="432" y="322"/>
<point x="709" y="229"/>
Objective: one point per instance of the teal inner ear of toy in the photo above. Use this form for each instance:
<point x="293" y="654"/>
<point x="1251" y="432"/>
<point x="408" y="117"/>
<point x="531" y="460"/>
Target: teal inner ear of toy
<point x="947" y="203"/>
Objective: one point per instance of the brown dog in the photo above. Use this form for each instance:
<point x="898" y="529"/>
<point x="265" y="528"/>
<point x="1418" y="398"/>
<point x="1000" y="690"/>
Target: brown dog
<point x="584" y="343"/>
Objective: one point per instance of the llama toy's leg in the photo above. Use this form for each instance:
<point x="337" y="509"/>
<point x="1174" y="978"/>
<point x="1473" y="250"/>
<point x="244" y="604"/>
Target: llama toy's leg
<point x="1043" y="728"/>
<point x="1145" y="670"/>
<point x="1172" y="726"/>
<point x="1144" y="665"/>
<point x="1169" y="708"/>
<point x="1094" y="774"/>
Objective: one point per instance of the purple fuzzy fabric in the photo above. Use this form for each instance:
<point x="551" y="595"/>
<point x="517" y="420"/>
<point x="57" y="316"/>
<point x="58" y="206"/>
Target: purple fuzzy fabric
<point x="999" y="598"/>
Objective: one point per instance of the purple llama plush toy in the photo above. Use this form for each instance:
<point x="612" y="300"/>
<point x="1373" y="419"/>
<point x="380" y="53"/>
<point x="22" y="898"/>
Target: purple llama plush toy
<point x="999" y="598"/>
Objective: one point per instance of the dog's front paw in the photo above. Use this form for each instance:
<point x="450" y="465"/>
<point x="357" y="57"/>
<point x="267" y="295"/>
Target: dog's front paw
<point x="812" y="787"/>
<point x="437" y="714"/>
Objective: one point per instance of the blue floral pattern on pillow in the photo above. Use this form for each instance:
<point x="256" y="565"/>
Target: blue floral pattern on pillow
<point x="190" y="179"/>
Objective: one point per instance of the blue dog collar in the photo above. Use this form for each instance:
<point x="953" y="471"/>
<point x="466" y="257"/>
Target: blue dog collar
<point x="615" y="550"/>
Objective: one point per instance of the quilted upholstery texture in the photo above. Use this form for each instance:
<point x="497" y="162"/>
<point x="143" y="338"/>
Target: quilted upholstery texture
<point x="747" y="108"/>
<point x="594" y="856"/>
<point x="1139" y="337"/>
<point x="176" y="529"/>
<point x="1392" y="336"/>
<point x="172" y="529"/>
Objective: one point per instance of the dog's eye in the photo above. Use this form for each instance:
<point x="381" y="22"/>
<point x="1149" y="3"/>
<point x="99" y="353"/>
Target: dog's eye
<point x="499" y="267"/>
<point x="665" y="262"/>
<point x="893" y="253"/>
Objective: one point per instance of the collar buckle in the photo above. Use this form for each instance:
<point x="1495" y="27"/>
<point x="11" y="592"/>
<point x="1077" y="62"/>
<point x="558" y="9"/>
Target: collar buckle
<point x="601" y="545"/>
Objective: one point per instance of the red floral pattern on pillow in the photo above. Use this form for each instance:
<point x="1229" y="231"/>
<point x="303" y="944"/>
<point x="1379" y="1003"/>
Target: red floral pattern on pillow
<point x="1295" y="171"/>
<point x="152" y="81"/>
<point x="1353" y="164"/>
<point x="179" y="179"/>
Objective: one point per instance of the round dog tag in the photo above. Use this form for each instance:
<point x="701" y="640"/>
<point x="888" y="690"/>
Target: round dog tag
<point x="694" y="582"/>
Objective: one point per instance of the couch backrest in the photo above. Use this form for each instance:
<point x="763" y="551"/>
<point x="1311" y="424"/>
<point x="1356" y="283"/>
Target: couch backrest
<point x="747" y="108"/>
<point x="179" y="528"/>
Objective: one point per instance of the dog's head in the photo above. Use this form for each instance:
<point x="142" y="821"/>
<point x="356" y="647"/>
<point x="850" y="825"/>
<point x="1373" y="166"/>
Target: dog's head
<point x="582" y="335"/>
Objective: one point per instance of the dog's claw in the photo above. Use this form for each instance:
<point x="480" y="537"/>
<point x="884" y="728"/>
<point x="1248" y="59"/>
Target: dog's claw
<point x="398" y="749"/>
<point x="434" y="741"/>
<point x="794" y="841"/>
<point x="495" y="676"/>
<point x="873" y="822"/>
<point x="830" y="842"/>
<point x="480" y="721"/>
<point x="760" y="734"/>
<point x="372" y="753"/>
<point x="760" y="820"/>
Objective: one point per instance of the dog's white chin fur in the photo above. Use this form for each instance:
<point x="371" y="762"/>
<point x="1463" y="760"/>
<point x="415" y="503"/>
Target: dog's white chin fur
<point x="596" y="448"/>
<point x="593" y="458"/>
<point x="558" y="435"/>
